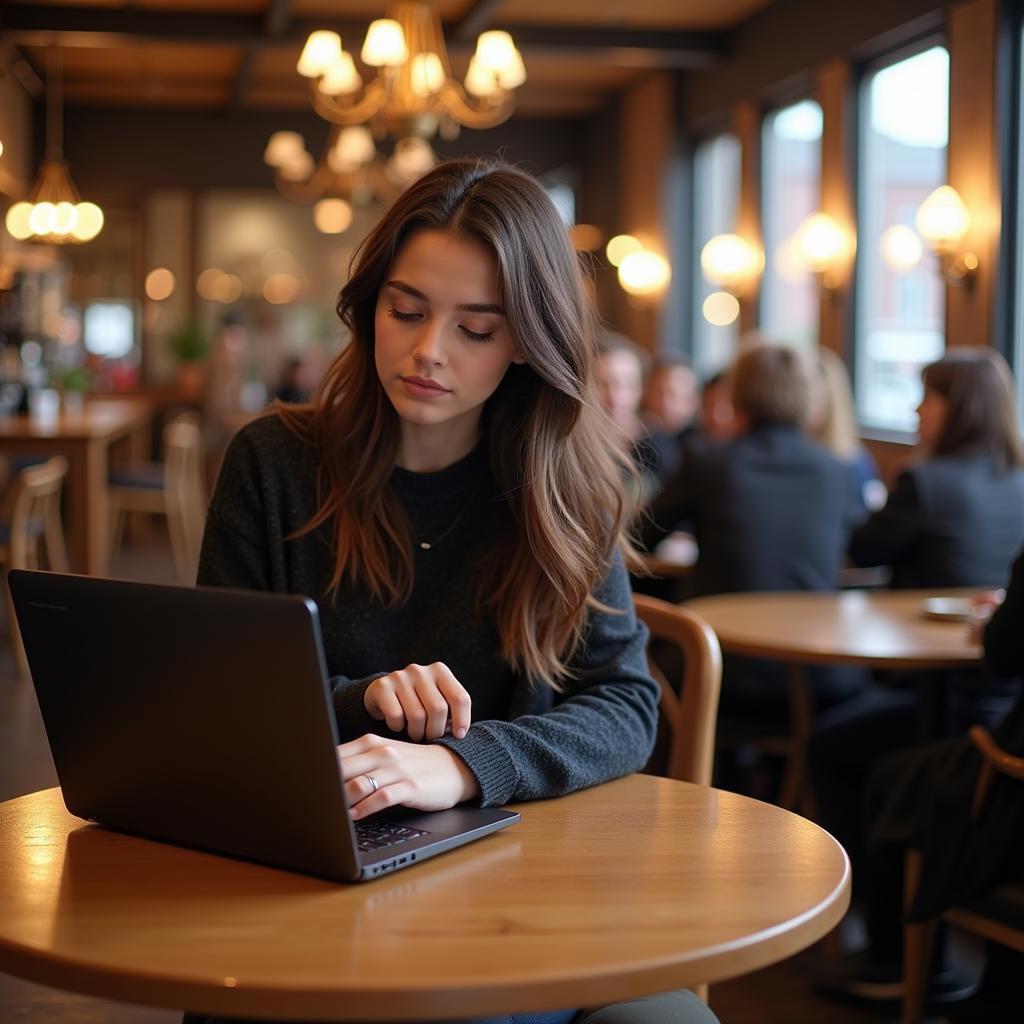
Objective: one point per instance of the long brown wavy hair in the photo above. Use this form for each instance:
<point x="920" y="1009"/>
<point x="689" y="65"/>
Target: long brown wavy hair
<point x="556" y="460"/>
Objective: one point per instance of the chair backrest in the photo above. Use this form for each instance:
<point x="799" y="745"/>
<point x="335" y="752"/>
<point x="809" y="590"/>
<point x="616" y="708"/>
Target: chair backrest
<point x="689" y="708"/>
<point x="35" y="498"/>
<point x="184" y="476"/>
<point x="994" y="760"/>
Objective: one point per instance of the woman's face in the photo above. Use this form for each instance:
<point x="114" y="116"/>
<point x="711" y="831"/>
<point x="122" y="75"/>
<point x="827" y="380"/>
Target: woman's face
<point x="619" y="380"/>
<point x="931" y="417"/>
<point x="442" y="344"/>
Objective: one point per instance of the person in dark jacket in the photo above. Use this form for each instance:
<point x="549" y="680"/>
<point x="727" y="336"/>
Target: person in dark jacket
<point x="956" y="517"/>
<point x="453" y="500"/>
<point x="770" y="510"/>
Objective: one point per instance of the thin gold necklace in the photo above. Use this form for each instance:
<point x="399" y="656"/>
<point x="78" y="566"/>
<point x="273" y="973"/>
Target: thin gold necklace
<point x="427" y="545"/>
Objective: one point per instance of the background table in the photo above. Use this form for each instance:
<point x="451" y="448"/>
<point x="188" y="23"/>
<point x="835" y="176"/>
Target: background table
<point x="877" y="629"/>
<point x="85" y="439"/>
<point x="637" y="886"/>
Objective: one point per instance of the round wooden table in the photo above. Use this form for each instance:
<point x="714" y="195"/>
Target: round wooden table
<point x="884" y="629"/>
<point x="877" y="629"/>
<point x="637" y="886"/>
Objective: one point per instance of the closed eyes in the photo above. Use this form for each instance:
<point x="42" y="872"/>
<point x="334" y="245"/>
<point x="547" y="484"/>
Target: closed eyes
<point x="405" y="318"/>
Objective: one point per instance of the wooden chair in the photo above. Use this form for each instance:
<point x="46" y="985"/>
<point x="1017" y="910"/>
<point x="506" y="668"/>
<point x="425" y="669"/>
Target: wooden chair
<point x="175" y="488"/>
<point x="33" y="513"/>
<point x="691" y="708"/>
<point x="997" y="915"/>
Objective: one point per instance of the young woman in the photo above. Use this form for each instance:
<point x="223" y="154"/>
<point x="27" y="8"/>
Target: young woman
<point x="453" y="501"/>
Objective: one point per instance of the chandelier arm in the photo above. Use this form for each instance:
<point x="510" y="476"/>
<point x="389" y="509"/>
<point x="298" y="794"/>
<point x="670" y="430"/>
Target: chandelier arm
<point x="364" y="109"/>
<point x="452" y="100"/>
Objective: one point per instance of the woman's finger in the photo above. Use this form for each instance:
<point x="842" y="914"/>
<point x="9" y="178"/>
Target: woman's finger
<point x="459" y="702"/>
<point x="407" y="689"/>
<point x="385" y="796"/>
<point x="432" y="701"/>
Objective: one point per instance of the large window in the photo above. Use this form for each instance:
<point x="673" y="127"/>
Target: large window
<point x="790" y="191"/>
<point x="900" y="307"/>
<point x="716" y="195"/>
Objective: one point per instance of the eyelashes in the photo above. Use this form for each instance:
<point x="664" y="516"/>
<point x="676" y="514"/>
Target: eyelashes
<point x="406" y="318"/>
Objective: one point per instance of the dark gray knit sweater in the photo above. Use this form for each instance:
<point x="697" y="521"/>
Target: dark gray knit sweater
<point x="526" y="742"/>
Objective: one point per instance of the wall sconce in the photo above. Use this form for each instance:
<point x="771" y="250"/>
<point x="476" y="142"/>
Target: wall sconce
<point x="901" y="248"/>
<point x="824" y="248"/>
<point x="642" y="271"/>
<point x="731" y="262"/>
<point x="943" y="221"/>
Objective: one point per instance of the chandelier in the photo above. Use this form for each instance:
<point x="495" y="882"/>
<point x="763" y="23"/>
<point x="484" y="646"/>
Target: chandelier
<point x="54" y="212"/>
<point x="414" y="93"/>
<point x="350" y="171"/>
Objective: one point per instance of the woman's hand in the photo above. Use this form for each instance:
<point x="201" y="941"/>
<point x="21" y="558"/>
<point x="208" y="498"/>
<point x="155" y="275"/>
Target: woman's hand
<point x="424" y="700"/>
<point x="382" y="773"/>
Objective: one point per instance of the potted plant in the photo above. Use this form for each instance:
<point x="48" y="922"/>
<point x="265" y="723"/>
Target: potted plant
<point x="189" y="345"/>
<point x="74" y="383"/>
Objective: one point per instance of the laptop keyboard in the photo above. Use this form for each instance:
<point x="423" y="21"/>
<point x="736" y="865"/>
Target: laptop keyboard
<point x="376" y="835"/>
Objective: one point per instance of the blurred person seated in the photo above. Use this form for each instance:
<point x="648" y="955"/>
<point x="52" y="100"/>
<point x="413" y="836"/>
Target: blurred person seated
<point x="619" y="379"/>
<point x="671" y="402"/>
<point x="292" y="385"/>
<point x="770" y="510"/>
<point x="921" y="797"/>
<point x="716" y="422"/>
<point x="954" y="519"/>
<point x="833" y="424"/>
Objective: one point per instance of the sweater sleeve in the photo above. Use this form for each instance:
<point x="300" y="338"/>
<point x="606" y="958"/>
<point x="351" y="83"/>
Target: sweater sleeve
<point x="602" y="727"/>
<point x="887" y="537"/>
<point x="238" y="547"/>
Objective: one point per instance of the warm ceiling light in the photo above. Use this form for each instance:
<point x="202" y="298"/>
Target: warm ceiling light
<point x="644" y="273"/>
<point x="901" y="248"/>
<point x="730" y="261"/>
<point x="159" y="284"/>
<point x="281" y="146"/>
<point x="55" y="213"/>
<point x="413" y="92"/>
<point x="619" y="247"/>
<point x="206" y="283"/>
<point x="721" y="309"/>
<point x="227" y="289"/>
<point x="332" y="216"/>
<point x="280" y="289"/>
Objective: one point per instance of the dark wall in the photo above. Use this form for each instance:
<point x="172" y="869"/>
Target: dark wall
<point x="128" y="152"/>
<point x="784" y="43"/>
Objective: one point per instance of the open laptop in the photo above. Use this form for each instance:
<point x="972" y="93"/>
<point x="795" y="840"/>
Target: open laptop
<point x="203" y="717"/>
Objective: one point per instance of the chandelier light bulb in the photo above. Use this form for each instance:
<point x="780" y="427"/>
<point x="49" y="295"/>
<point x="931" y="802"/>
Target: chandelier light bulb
<point x="901" y="248"/>
<point x="385" y="44"/>
<point x="427" y="74"/>
<point x="66" y="218"/>
<point x="644" y="273"/>
<point x="341" y="78"/>
<point x="297" y="167"/>
<point x="411" y="159"/>
<point x="42" y="218"/>
<point x="943" y="219"/>
<point x="332" y="216"/>
<point x="159" y="284"/>
<point x="17" y="221"/>
<point x="88" y="222"/>
<point x="513" y="74"/>
<point x="495" y="50"/>
<point x="480" y="81"/>
<point x="322" y="49"/>
<point x="281" y="146"/>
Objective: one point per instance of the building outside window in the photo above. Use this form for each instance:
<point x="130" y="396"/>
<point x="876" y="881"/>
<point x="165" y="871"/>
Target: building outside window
<point x="716" y="196"/>
<point x="900" y="296"/>
<point x="790" y="192"/>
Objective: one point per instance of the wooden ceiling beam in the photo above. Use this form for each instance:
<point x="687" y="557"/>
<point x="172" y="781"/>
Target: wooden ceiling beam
<point x="275" y="23"/>
<point x="38" y="25"/>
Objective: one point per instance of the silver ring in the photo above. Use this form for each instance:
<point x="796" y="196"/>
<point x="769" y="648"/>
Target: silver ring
<point x="373" y="782"/>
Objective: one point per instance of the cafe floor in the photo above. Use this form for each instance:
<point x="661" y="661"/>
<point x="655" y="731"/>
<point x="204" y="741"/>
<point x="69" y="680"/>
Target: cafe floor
<point x="778" y="995"/>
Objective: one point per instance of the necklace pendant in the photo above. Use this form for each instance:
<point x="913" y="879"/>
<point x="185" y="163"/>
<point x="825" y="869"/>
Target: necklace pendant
<point x="424" y="545"/>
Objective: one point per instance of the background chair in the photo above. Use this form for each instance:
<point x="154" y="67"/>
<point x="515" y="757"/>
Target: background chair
<point x="690" y="708"/>
<point x="175" y="488"/>
<point x="997" y="915"/>
<point x="32" y="513"/>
